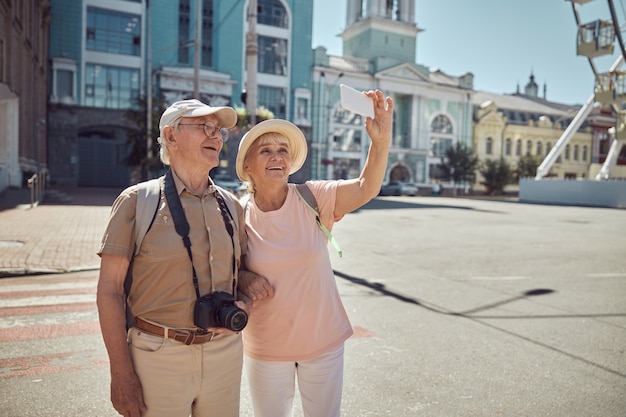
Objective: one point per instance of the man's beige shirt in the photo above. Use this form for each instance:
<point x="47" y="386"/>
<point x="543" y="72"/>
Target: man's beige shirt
<point x="162" y="289"/>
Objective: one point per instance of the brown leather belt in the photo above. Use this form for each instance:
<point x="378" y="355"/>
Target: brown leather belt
<point x="188" y="337"/>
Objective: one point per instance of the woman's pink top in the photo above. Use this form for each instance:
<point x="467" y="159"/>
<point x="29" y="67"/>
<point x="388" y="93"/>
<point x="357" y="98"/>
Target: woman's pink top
<point x="305" y="318"/>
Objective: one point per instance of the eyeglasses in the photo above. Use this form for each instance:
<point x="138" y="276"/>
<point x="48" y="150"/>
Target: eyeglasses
<point x="210" y="129"/>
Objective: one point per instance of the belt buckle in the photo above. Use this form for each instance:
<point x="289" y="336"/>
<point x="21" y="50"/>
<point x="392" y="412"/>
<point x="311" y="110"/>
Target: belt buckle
<point x="187" y="334"/>
<point x="190" y="335"/>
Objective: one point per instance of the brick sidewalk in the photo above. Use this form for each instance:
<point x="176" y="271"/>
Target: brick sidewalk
<point x="61" y="234"/>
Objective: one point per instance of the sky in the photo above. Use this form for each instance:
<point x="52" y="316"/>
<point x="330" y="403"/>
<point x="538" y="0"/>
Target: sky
<point x="500" y="41"/>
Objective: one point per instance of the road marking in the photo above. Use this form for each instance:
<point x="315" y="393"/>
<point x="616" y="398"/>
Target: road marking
<point x="607" y="275"/>
<point x="47" y="287"/>
<point x="509" y="278"/>
<point x="48" y="300"/>
<point x="48" y="319"/>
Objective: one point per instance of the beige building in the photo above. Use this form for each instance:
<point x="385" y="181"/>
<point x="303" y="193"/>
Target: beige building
<point x="513" y="125"/>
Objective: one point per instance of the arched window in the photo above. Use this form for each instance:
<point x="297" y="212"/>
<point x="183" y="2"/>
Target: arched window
<point x="539" y="148"/>
<point x="567" y="152"/>
<point x="440" y="135"/>
<point x="529" y="147"/>
<point x="575" y="152"/>
<point x="548" y="148"/>
<point x="273" y="48"/>
<point x="518" y="147"/>
<point x="507" y="147"/>
<point x="272" y="13"/>
<point x="489" y="146"/>
<point x="585" y="153"/>
<point x="441" y="124"/>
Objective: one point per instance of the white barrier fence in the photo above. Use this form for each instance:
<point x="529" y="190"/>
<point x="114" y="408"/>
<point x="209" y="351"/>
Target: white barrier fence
<point x="610" y="193"/>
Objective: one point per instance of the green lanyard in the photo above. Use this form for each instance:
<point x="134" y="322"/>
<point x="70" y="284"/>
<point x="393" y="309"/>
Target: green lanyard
<point x="303" y="190"/>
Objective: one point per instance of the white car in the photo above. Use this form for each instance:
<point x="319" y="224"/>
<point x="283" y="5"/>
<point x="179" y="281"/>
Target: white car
<point x="399" y="188"/>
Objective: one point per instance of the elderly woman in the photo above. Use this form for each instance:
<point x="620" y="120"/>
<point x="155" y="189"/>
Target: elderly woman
<point x="298" y="324"/>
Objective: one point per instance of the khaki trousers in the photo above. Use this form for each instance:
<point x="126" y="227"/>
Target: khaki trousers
<point x="179" y="380"/>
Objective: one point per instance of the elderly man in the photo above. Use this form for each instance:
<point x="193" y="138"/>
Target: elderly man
<point x="175" y="360"/>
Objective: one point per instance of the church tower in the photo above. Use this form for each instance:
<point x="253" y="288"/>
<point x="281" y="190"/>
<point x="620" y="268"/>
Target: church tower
<point x="382" y="31"/>
<point x="532" y="88"/>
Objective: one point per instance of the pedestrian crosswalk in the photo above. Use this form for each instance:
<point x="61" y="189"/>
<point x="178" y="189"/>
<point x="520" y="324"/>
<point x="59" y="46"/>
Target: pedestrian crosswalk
<point x="49" y="325"/>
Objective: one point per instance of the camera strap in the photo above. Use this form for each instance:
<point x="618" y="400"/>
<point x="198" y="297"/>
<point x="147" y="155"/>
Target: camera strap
<point x="182" y="225"/>
<point x="180" y="221"/>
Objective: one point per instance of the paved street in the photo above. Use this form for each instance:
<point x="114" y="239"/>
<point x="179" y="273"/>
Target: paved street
<point x="461" y="308"/>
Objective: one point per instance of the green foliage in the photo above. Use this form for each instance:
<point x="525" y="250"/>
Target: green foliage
<point x="460" y="163"/>
<point x="497" y="174"/>
<point x="262" y="113"/>
<point x="526" y="167"/>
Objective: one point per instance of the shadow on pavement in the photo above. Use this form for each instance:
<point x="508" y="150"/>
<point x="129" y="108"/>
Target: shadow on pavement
<point x="381" y="289"/>
<point x="379" y="203"/>
<point x="12" y="198"/>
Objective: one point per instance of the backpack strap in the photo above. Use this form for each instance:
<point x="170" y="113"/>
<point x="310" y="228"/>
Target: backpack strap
<point x="148" y="196"/>
<point x="306" y="195"/>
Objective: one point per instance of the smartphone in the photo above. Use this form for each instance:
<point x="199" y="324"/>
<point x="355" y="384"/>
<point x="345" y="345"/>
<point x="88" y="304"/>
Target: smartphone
<point x="356" y="101"/>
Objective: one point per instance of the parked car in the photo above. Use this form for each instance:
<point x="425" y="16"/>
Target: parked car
<point x="229" y="183"/>
<point x="399" y="188"/>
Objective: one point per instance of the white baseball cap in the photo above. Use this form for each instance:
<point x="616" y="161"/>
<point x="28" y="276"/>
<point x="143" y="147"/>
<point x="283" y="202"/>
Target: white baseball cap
<point x="227" y="116"/>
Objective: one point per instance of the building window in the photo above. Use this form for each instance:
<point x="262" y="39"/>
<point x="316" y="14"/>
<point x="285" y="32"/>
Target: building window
<point x="529" y="147"/>
<point x="63" y="81"/>
<point x="489" y="146"/>
<point x="548" y="148"/>
<point x="567" y="152"/>
<point x="114" y="32"/>
<point x="507" y="147"/>
<point x="518" y="147"/>
<point x="207" y="33"/>
<point x="575" y="152"/>
<point x="441" y="124"/>
<point x="302" y="108"/>
<point x="2" y="59"/>
<point x="111" y="87"/>
<point x="302" y="113"/>
<point x="272" y="56"/>
<point x="439" y="146"/>
<point x="64" y="85"/>
<point x="347" y="139"/>
<point x="184" y="28"/>
<point x="272" y="13"/>
<point x="274" y="99"/>
<point x="539" y="149"/>
<point x="584" y="153"/>
<point x="347" y="131"/>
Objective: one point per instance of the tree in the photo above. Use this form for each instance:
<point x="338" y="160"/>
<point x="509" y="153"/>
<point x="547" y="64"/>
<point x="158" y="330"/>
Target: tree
<point x="526" y="167"/>
<point x="459" y="164"/>
<point x="137" y="139"/>
<point x="497" y="175"/>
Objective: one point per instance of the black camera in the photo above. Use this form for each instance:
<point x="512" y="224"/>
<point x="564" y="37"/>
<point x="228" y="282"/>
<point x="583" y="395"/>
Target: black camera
<point x="218" y="309"/>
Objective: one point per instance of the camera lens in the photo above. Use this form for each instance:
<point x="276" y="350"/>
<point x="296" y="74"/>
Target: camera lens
<point x="233" y="318"/>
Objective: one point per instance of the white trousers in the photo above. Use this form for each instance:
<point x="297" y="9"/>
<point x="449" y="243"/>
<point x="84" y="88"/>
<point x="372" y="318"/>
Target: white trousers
<point x="320" y="383"/>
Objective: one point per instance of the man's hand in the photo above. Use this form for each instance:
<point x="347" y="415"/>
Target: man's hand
<point x="254" y="286"/>
<point x="127" y="395"/>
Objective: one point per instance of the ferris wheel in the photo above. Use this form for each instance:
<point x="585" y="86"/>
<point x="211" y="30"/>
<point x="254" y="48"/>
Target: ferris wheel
<point x="596" y="40"/>
<point x="605" y="38"/>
